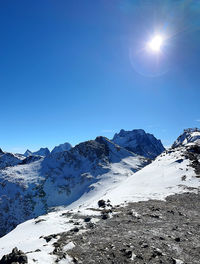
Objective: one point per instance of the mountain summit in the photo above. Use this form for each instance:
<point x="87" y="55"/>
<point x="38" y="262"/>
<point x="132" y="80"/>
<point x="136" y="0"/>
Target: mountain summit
<point x="41" y="152"/>
<point x="1" y="151"/>
<point x="190" y="136"/>
<point x="139" y="142"/>
<point x="62" y="147"/>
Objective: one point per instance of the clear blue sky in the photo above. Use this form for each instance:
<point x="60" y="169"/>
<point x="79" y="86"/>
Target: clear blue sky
<point x="73" y="70"/>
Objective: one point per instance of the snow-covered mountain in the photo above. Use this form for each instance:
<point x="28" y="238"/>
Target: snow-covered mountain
<point x="30" y="189"/>
<point x="97" y="170"/>
<point x="190" y="136"/>
<point x="139" y="142"/>
<point x="27" y="153"/>
<point x="174" y="170"/>
<point x="62" y="147"/>
<point x="9" y="159"/>
<point x="41" y="152"/>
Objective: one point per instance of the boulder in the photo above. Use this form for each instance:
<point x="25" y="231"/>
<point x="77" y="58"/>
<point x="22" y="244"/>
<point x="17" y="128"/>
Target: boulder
<point x="16" y="256"/>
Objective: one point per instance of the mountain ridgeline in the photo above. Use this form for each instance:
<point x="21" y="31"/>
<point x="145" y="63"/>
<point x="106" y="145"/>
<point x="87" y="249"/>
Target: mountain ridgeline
<point x="32" y="183"/>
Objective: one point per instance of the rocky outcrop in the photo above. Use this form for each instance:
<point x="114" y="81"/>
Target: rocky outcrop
<point x="16" y="256"/>
<point x="189" y="143"/>
<point x="190" y="136"/>
<point x="1" y="151"/>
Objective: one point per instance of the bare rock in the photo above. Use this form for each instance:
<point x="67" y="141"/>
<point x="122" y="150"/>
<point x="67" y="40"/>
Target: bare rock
<point x="16" y="256"/>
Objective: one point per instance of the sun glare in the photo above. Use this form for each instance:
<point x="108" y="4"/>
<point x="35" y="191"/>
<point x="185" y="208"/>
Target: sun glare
<point x="156" y="43"/>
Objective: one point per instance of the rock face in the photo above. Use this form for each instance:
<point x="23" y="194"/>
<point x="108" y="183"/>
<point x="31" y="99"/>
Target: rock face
<point x="190" y="136"/>
<point x="62" y="147"/>
<point x="1" y="151"/>
<point x="139" y="142"/>
<point x="16" y="256"/>
<point x="189" y="141"/>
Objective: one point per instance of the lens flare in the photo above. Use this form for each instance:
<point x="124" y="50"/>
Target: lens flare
<point x="156" y="43"/>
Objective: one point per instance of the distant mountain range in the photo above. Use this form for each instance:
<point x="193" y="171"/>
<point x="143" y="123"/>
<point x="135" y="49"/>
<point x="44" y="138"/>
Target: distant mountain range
<point x="43" y="152"/>
<point x="137" y="141"/>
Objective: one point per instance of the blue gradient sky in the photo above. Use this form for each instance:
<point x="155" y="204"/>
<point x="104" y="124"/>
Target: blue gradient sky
<point x="72" y="70"/>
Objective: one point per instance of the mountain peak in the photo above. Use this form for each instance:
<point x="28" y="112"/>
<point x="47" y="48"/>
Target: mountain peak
<point x="188" y="137"/>
<point x="139" y="142"/>
<point x="135" y="131"/>
<point x="41" y="152"/>
<point x="27" y="153"/>
<point x="62" y="147"/>
<point x="1" y="151"/>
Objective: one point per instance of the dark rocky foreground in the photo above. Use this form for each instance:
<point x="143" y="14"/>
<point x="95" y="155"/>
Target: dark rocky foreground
<point x="148" y="232"/>
<point x="145" y="232"/>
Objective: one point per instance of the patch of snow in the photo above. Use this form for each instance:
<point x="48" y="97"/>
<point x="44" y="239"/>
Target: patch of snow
<point x="178" y="261"/>
<point x="69" y="246"/>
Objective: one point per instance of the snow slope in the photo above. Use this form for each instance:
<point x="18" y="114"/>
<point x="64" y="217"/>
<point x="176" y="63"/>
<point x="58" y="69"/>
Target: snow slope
<point x="171" y="172"/>
<point x="163" y="177"/>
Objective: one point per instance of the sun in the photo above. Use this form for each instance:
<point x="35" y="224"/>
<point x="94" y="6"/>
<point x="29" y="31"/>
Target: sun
<point x="155" y="43"/>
